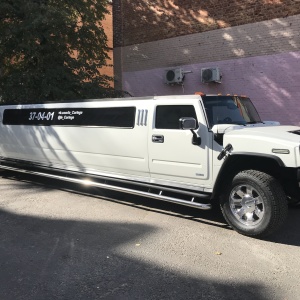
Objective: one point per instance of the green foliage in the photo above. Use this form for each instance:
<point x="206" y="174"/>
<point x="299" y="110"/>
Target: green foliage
<point x="52" y="50"/>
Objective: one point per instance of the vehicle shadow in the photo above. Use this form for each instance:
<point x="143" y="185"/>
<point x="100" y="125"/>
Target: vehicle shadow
<point x="211" y="217"/>
<point x="288" y="234"/>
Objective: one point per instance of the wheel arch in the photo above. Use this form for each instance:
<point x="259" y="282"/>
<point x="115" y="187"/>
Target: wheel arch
<point x="240" y="161"/>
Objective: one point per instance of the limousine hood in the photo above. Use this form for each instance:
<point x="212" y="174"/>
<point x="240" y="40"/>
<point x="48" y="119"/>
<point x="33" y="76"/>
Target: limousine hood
<point x="285" y="133"/>
<point x="281" y="141"/>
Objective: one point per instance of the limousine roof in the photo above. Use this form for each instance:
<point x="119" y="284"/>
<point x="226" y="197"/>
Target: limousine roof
<point x="108" y="100"/>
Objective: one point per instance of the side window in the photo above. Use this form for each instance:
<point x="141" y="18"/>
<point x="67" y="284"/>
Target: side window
<point x="121" y="117"/>
<point x="167" y="116"/>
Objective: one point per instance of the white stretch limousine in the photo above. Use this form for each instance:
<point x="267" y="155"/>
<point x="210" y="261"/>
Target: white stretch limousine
<point x="192" y="150"/>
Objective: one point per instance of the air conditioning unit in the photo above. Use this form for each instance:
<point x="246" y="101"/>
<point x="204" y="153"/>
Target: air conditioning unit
<point x="211" y="75"/>
<point x="174" y="76"/>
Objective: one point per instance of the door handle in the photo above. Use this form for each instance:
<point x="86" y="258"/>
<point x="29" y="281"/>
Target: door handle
<point x="158" y="138"/>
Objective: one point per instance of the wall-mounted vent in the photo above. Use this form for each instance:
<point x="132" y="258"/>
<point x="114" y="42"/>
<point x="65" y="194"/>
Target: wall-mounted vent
<point x="211" y="75"/>
<point x="174" y="76"/>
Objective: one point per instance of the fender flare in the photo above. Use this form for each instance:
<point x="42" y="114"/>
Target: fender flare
<point x="232" y="156"/>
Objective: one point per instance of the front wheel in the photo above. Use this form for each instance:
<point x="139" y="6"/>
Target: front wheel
<point x="254" y="204"/>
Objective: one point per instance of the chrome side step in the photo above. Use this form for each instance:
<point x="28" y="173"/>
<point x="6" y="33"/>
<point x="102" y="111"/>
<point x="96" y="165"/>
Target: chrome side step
<point x="149" y="194"/>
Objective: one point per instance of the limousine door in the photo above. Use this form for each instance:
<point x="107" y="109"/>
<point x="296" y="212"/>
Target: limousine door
<point x="172" y="155"/>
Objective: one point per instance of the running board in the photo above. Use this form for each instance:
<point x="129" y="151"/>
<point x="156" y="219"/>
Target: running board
<point x="149" y="194"/>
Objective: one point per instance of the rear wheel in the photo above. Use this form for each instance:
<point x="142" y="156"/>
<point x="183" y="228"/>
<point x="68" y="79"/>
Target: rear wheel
<point x="255" y="204"/>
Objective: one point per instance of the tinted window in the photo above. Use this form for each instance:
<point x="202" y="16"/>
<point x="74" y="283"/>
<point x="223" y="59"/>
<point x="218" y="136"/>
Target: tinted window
<point x="167" y="116"/>
<point x="106" y="117"/>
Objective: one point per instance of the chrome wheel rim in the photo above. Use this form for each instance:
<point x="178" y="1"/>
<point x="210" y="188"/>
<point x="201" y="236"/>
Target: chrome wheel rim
<point x="247" y="205"/>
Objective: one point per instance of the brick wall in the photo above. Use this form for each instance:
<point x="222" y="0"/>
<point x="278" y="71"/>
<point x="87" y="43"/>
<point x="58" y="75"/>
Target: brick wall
<point x="271" y="81"/>
<point x="256" y="39"/>
<point x="143" y="21"/>
<point x="256" y="45"/>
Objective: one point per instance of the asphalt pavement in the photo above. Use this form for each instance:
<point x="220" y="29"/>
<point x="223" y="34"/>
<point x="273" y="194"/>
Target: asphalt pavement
<point x="64" y="241"/>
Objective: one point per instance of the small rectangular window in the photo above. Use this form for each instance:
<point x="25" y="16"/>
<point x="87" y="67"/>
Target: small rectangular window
<point x="167" y="116"/>
<point x="103" y="117"/>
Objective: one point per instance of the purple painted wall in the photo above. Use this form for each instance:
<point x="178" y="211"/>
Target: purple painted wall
<point x="271" y="81"/>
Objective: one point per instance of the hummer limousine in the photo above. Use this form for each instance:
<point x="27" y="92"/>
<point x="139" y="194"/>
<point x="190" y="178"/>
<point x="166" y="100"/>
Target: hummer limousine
<point x="195" y="150"/>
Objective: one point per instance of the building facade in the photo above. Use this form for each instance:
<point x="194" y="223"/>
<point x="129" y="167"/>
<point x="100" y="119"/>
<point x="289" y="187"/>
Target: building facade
<point x="255" y="45"/>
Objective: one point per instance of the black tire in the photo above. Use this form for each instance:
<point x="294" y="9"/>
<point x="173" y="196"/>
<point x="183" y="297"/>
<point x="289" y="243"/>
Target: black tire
<point x="254" y="204"/>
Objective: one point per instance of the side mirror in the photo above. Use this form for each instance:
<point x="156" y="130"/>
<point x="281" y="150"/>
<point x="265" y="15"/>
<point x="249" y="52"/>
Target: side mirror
<point x="190" y="124"/>
<point x="187" y="123"/>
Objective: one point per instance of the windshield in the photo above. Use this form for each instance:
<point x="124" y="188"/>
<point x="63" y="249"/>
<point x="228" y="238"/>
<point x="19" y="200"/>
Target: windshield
<point x="230" y="110"/>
